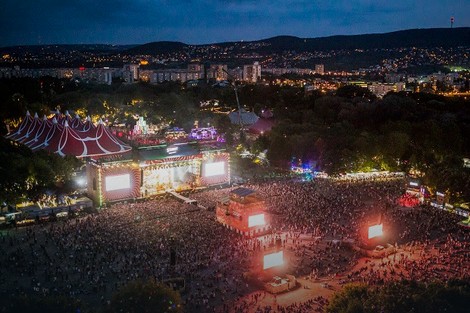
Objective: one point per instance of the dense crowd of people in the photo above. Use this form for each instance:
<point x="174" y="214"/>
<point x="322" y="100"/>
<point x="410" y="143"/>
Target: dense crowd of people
<point x="90" y="257"/>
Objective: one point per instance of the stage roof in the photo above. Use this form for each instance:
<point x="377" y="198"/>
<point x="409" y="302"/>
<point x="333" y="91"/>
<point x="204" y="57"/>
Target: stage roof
<point x="243" y="192"/>
<point x="168" y="151"/>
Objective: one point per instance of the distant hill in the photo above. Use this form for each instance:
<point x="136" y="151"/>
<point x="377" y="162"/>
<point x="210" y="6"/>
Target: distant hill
<point x="349" y="52"/>
<point x="97" y="48"/>
<point x="159" y="47"/>
<point x="432" y="37"/>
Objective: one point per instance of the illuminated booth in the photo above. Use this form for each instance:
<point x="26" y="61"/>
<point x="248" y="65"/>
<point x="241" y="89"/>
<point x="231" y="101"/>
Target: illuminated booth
<point x="150" y="171"/>
<point x="244" y="212"/>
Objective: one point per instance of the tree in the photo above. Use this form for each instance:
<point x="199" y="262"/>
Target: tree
<point x="350" y="299"/>
<point x="402" y="297"/>
<point x="145" y="297"/>
<point x="352" y="91"/>
<point x="26" y="174"/>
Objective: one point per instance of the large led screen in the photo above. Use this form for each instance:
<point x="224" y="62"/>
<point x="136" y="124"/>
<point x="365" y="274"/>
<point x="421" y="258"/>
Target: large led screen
<point x="214" y="169"/>
<point x="256" y="220"/>
<point x="118" y="182"/>
<point x="273" y="259"/>
<point x="375" y="231"/>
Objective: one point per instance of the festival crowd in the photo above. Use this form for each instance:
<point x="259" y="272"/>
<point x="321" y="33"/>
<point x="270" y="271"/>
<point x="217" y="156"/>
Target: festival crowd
<point x="319" y="222"/>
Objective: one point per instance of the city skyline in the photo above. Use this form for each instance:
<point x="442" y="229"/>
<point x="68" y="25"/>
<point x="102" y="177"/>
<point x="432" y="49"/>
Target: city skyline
<point x="211" y="21"/>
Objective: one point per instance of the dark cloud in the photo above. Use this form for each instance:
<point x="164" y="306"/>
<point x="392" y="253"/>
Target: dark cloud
<point x="204" y="21"/>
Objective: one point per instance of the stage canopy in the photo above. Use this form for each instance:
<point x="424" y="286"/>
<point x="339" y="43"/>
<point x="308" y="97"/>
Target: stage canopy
<point x="246" y="118"/>
<point x="65" y="135"/>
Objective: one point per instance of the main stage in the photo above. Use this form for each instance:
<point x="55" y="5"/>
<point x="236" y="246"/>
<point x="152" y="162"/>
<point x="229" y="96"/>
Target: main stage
<point x="153" y="171"/>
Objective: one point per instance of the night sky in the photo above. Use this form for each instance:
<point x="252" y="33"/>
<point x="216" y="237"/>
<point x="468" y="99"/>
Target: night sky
<point x="25" y="22"/>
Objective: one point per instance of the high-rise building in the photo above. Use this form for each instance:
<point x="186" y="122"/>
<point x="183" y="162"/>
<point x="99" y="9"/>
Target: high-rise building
<point x="108" y="76"/>
<point x="134" y="68"/>
<point x="217" y="72"/>
<point x="195" y="67"/>
<point x="236" y="73"/>
<point x="130" y="72"/>
<point x="252" y="72"/>
<point x="319" y="69"/>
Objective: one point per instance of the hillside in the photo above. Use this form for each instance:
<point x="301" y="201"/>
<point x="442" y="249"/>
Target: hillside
<point x="434" y="37"/>
<point x="159" y="47"/>
<point x="406" y="49"/>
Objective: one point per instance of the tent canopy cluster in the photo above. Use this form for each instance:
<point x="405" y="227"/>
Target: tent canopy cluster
<point x="67" y="135"/>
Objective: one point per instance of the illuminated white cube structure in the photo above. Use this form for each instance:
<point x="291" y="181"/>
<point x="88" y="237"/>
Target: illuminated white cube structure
<point x="244" y="212"/>
<point x="375" y="231"/>
<point x="273" y="260"/>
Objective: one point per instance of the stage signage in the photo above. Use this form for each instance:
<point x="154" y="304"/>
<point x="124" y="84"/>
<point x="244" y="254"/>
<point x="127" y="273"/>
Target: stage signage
<point x="171" y="150"/>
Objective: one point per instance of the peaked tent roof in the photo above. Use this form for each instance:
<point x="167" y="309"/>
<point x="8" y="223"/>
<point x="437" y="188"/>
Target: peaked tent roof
<point x="40" y="133"/>
<point x="52" y="136"/>
<point x="107" y="141"/>
<point x="67" y="142"/>
<point x="22" y="128"/>
<point x="31" y="129"/>
<point x="76" y="122"/>
<point x="87" y="126"/>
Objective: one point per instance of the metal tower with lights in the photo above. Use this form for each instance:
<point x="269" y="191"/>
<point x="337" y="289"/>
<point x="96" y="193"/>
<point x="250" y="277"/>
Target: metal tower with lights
<point x="236" y="96"/>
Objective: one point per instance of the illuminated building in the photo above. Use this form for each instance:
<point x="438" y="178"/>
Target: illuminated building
<point x="244" y="212"/>
<point x="218" y="72"/>
<point x="193" y="72"/>
<point x="252" y="72"/>
<point x="108" y="77"/>
<point x="130" y="72"/>
<point x="381" y="89"/>
<point x="319" y="69"/>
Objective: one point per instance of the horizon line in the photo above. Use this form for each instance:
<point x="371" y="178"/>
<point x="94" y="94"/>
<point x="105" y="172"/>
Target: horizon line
<point x="220" y="42"/>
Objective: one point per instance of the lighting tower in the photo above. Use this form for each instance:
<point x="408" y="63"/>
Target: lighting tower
<point x="451" y="22"/>
<point x="236" y="96"/>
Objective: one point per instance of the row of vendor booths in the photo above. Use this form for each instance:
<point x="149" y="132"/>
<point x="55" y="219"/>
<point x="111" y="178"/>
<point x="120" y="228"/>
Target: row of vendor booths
<point x="33" y="213"/>
<point x="439" y="200"/>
